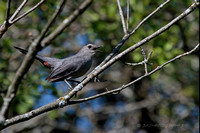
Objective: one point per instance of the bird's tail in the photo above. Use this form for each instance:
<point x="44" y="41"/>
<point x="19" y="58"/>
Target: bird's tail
<point x="38" y="57"/>
<point x="24" y="51"/>
<point x="21" y="50"/>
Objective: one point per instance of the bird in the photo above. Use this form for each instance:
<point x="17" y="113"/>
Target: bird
<point x="70" y="67"/>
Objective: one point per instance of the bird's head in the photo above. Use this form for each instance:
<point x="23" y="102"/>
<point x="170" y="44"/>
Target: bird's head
<point x="90" y="49"/>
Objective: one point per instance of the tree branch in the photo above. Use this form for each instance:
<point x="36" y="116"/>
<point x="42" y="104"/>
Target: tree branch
<point x="8" y="11"/>
<point x="122" y="17"/>
<point x="26" y="13"/>
<point x="8" y="22"/>
<point x="18" y="9"/>
<point x="140" y="63"/>
<point x="150" y="15"/>
<point x="145" y="60"/>
<point x="127" y="15"/>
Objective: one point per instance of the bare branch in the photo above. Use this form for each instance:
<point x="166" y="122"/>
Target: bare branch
<point x="8" y="11"/>
<point x="145" y="60"/>
<point x="128" y="15"/>
<point x="122" y="17"/>
<point x="26" y="13"/>
<point x="150" y="15"/>
<point x="10" y="21"/>
<point x="149" y="55"/>
<point x="18" y="10"/>
<point x="140" y="63"/>
<point x="134" y="64"/>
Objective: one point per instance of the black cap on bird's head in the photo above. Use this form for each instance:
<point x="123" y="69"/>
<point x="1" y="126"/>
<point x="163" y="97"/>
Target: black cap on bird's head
<point x="90" y="48"/>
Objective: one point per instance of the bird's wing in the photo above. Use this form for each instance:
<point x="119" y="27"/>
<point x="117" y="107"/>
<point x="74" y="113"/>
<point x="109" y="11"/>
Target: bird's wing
<point x="68" y="67"/>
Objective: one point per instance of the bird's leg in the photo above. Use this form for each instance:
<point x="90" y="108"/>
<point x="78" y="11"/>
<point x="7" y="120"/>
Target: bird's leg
<point x="68" y="84"/>
<point x="71" y="88"/>
<point x="96" y="79"/>
<point x="62" y="99"/>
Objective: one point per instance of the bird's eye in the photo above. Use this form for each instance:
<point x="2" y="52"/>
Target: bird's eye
<point x="89" y="46"/>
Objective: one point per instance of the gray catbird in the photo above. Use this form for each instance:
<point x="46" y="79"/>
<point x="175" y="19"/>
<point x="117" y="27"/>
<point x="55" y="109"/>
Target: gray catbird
<point x="68" y="68"/>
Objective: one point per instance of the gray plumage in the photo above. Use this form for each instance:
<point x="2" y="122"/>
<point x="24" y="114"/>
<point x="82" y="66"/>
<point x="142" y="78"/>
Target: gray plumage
<point x="71" y="67"/>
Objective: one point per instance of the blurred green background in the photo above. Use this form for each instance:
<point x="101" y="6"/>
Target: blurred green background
<point x="167" y="101"/>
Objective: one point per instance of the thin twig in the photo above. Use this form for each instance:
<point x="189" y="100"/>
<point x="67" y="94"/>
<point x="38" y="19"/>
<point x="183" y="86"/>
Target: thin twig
<point x="26" y="13"/>
<point x="150" y="15"/>
<point x="139" y="63"/>
<point x="8" y="22"/>
<point x="134" y="64"/>
<point x="145" y="60"/>
<point x="122" y="17"/>
<point x="128" y="15"/>
<point x="8" y="11"/>
<point x="149" y="55"/>
<point x="18" y="10"/>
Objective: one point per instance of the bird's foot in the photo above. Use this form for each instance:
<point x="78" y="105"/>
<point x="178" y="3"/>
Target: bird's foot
<point x="70" y="87"/>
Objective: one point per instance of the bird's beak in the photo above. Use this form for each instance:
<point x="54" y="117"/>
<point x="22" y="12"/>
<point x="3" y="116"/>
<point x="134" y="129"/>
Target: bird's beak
<point x="97" y="47"/>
